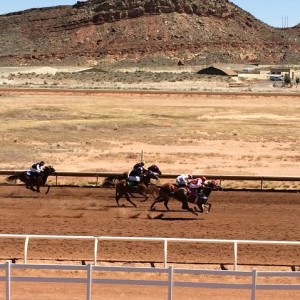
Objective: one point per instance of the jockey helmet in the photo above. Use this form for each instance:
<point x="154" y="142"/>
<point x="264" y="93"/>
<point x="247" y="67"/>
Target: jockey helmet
<point x="190" y="176"/>
<point x="42" y="163"/>
<point x="203" y="178"/>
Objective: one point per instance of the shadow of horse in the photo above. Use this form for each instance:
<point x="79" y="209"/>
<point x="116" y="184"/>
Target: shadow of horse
<point x="36" y="181"/>
<point x="125" y="189"/>
<point x="169" y="190"/>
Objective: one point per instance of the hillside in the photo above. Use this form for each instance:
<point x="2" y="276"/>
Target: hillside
<point x="193" y="31"/>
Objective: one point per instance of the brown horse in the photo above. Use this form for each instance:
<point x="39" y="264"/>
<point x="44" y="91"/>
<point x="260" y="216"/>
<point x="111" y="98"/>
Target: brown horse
<point x="126" y="189"/>
<point x="169" y="190"/>
<point x="35" y="181"/>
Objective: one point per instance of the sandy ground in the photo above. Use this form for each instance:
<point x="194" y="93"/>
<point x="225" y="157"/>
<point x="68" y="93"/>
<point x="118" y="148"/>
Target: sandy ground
<point x="199" y="134"/>
<point x="93" y="211"/>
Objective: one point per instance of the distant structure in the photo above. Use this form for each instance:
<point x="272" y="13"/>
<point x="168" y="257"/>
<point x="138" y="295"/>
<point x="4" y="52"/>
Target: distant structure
<point x="285" y="21"/>
<point x="217" y="70"/>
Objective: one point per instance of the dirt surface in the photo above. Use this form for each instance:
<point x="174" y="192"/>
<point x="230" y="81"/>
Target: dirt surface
<point x="93" y="211"/>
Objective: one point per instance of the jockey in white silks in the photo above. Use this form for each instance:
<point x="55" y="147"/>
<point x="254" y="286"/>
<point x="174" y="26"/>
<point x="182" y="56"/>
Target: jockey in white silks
<point x="36" y="169"/>
<point x="183" y="180"/>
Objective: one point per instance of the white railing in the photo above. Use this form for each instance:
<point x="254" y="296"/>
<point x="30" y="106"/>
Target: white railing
<point x="169" y="283"/>
<point x="165" y="242"/>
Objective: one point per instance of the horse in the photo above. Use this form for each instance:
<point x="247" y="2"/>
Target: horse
<point x="201" y="198"/>
<point x="169" y="190"/>
<point x="36" y="181"/>
<point x="112" y="180"/>
<point x="125" y="189"/>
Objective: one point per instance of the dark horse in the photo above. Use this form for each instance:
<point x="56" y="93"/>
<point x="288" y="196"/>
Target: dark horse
<point x="125" y="188"/>
<point x="36" y="181"/>
<point x="112" y="180"/>
<point x="182" y="194"/>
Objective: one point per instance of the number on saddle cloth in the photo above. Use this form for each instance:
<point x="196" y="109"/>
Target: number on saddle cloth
<point x="131" y="183"/>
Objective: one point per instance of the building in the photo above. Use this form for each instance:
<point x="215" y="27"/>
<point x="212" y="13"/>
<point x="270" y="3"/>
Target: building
<point x="217" y="70"/>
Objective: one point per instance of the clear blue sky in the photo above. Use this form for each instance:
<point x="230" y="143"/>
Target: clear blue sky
<point x="273" y="12"/>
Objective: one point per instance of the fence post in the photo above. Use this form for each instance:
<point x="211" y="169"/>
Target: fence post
<point x="170" y="283"/>
<point x="235" y="255"/>
<point x="26" y="249"/>
<point x="8" y="278"/>
<point x="165" y="253"/>
<point x="89" y="282"/>
<point x="95" y="251"/>
<point x="253" y="292"/>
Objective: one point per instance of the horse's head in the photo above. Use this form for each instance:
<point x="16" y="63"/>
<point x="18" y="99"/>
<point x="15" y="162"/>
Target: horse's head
<point x="49" y="170"/>
<point x="212" y="184"/>
<point x="154" y="169"/>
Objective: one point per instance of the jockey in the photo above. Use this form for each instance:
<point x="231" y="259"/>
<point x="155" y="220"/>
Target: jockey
<point x="135" y="174"/>
<point x="183" y="180"/>
<point x="195" y="186"/>
<point x="36" y="169"/>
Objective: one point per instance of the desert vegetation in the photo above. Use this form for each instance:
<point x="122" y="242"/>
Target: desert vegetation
<point x="199" y="134"/>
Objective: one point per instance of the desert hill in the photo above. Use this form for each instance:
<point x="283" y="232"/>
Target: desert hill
<point x="193" y="31"/>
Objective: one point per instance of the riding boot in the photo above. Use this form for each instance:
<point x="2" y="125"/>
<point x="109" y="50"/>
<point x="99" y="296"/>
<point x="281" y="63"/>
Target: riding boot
<point x="196" y="199"/>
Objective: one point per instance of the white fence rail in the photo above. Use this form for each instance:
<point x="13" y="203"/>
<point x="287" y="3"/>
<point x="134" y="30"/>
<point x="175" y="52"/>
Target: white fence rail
<point x="165" y="242"/>
<point x="169" y="283"/>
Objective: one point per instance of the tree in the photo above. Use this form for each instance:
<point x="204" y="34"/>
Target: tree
<point x="287" y="79"/>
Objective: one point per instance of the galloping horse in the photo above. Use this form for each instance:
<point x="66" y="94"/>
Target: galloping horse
<point x="125" y="189"/>
<point x="169" y="190"/>
<point x="201" y="198"/>
<point x="36" y="181"/>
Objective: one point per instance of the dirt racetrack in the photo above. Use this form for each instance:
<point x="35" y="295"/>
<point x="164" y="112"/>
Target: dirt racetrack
<point x="93" y="211"/>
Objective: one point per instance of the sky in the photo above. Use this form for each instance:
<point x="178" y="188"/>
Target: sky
<point x="277" y="13"/>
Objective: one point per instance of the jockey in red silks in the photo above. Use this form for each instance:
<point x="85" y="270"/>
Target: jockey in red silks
<point x="196" y="185"/>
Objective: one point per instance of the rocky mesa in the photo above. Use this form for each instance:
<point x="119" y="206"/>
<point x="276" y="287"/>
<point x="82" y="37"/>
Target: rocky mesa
<point x="197" y="31"/>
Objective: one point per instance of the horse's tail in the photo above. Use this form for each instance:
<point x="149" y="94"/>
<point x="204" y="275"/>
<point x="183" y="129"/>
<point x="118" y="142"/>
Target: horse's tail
<point x="12" y="178"/>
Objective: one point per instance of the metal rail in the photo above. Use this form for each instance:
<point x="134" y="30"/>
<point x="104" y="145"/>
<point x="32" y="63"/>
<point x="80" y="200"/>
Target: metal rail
<point x="164" y="241"/>
<point x="169" y="283"/>
<point x="221" y="178"/>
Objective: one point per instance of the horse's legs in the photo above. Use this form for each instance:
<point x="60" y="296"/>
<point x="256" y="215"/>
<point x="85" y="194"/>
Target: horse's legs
<point x="30" y="186"/>
<point x="185" y="205"/>
<point x="117" y="196"/>
<point x="145" y="198"/>
<point x="128" y="199"/>
<point x="160" y="199"/>
<point x="48" y="189"/>
<point x="209" y="207"/>
<point x="166" y="204"/>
